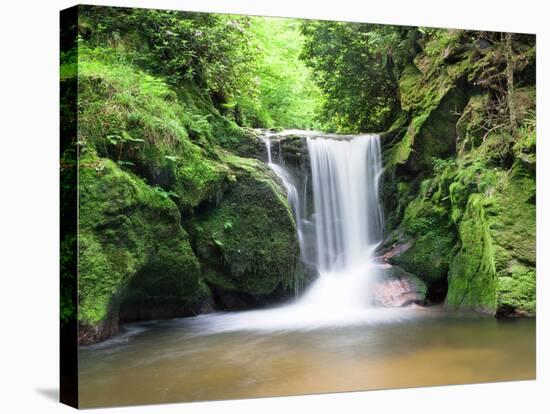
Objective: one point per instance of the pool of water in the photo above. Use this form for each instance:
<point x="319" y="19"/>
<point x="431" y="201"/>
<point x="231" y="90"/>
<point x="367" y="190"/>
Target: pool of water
<point x="192" y="359"/>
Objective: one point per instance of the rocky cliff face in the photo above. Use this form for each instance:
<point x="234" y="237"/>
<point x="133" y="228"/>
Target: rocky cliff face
<point x="459" y="187"/>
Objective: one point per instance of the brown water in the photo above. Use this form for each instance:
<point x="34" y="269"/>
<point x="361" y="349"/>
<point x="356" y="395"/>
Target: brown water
<point x="179" y="360"/>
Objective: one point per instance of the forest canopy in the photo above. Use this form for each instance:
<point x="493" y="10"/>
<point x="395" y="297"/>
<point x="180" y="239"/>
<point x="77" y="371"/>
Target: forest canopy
<point x="249" y="66"/>
<point x="264" y="72"/>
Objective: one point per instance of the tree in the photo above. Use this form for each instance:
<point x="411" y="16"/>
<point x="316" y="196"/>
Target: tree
<point x="357" y="66"/>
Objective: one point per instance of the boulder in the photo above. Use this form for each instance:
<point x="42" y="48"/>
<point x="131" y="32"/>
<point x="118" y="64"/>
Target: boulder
<point x="131" y="249"/>
<point x="398" y="288"/>
<point x="494" y="269"/>
<point x="247" y="243"/>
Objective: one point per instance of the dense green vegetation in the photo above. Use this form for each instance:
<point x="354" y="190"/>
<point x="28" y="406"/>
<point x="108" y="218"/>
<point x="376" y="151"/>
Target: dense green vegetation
<point x="177" y="214"/>
<point x="357" y="66"/>
<point x="460" y="184"/>
<point x="249" y="67"/>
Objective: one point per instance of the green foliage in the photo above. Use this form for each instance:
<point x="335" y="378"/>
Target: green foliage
<point x="525" y="146"/>
<point x="356" y="66"/>
<point x="441" y="165"/>
<point x="68" y="262"/>
<point x="284" y="93"/>
<point x="137" y="120"/>
<point x="209" y="49"/>
<point x="165" y="194"/>
<point x="249" y="67"/>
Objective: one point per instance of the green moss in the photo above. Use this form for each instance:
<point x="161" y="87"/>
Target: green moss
<point x="428" y="258"/>
<point x="432" y="241"/>
<point x="469" y="202"/>
<point x="165" y="136"/>
<point x="431" y="94"/>
<point x="513" y="216"/>
<point x="491" y="211"/>
<point x="409" y="86"/>
<point x="98" y="279"/>
<point x="248" y="241"/>
<point x="170" y="277"/>
<point x="68" y="311"/>
<point x="495" y="267"/>
<point x="422" y="92"/>
<point x="470" y="127"/>
<point x="247" y="144"/>
<point x="517" y="292"/>
<point x="436" y="136"/>
<point x="526" y="141"/>
<point x="400" y="152"/>
<point x="472" y="274"/>
<point x="126" y="227"/>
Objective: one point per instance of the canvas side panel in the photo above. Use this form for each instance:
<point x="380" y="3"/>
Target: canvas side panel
<point x="68" y="208"/>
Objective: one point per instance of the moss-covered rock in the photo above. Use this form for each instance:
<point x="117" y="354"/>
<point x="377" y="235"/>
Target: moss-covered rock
<point x="433" y="92"/>
<point x="472" y="282"/>
<point x="469" y="127"/>
<point x="248" y="242"/>
<point x="459" y="188"/>
<point x="126" y="229"/>
<point x="247" y="144"/>
<point x="494" y="269"/>
<point x="429" y="235"/>
<point x="152" y="153"/>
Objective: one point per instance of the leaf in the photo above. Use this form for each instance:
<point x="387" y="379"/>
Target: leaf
<point x="165" y="193"/>
<point x="113" y="139"/>
<point x="172" y="194"/>
<point x="127" y="163"/>
<point x="172" y="158"/>
<point x="229" y="105"/>
<point x="127" y="137"/>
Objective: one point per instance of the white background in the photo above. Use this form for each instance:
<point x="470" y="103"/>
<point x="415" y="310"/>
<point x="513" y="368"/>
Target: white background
<point x="29" y="205"/>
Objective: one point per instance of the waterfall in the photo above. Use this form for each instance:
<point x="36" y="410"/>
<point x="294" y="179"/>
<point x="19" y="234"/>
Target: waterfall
<point x="348" y="223"/>
<point x="347" y="209"/>
<point x="347" y="215"/>
<point x="348" y="219"/>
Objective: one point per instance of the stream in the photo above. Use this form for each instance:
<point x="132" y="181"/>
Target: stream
<point x="193" y="359"/>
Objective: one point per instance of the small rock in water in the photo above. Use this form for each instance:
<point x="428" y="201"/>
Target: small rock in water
<point x="398" y="288"/>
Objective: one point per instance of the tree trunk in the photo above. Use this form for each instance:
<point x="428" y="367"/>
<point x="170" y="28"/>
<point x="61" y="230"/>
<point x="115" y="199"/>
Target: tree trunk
<point x="510" y="82"/>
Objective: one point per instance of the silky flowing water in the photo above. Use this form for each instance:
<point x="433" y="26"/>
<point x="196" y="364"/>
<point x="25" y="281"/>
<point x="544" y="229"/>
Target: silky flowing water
<point x="330" y="338"/>
<point x="189" y="360"/>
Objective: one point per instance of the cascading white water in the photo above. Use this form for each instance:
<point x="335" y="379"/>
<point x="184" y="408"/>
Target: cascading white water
<point x="345" y="186"/>
<point x="348" y="225"/>
<point x="348" y="218"/>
